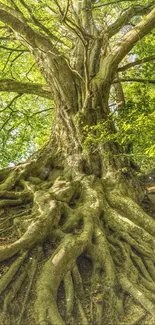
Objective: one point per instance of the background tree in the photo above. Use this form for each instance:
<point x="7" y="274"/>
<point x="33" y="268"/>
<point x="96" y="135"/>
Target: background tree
<point x="77" y="248"/>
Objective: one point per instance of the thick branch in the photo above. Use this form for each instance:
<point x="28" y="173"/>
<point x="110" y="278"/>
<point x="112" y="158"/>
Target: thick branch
<point x="38" y="23"/>
<point x="47" y="57"/>
<point x="126" y="17"/>
<point x="133" y="36"/>
<point x="109" y="64"/>
<point x="111" y="3"/>
<point x="13" y="12"/>
<point x="135" y="63"/>
<point x="85" y="9"/>
<point x="135" y="80"/>
<point x="25" y="88"/>
<point x="32" y="38"/>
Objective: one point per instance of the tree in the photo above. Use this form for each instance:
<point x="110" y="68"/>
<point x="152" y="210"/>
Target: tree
<point x="77" y="248"/>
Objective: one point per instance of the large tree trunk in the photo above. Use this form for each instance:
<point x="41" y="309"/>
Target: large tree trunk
<point x="77" y="248"/>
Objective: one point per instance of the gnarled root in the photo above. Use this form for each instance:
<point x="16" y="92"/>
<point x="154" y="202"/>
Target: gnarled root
<point x="80" y="257"/>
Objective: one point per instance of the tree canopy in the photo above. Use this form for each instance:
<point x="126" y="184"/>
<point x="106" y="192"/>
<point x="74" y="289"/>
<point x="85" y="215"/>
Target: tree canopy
<point x="27" y="104"/>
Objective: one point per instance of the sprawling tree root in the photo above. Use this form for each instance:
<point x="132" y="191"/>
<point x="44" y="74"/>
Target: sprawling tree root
<point x="78" y="252"/>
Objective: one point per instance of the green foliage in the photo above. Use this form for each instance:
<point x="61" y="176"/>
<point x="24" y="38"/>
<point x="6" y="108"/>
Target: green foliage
<point x="24" y="126"/>
<point x="25" y="120"/>
<point x="135" y="128"/>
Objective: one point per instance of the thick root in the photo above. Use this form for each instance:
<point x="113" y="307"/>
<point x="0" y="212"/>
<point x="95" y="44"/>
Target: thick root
<point x="6" y="279"/>
<point x="62" y="223"/>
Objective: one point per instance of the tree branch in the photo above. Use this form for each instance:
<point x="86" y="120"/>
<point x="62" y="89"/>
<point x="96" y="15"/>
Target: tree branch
<point x="126" y="17"/>
<point x="66" y="11"/>
<point x="32" y="38"/>
<point x="25" y="88"/>
<point x="38" y="23"/>
<point x="11" y="49"/>
<point x="132" y="37"/>
<point x="85" y="12"/>
<point x="13" y="12"/>
<point x="137" y="62"/>
<point x="135" y="80"/>
<point x="10" y="104"/>
<point x="112" y="2"/>
<point x="44" y="52"/>
<point x="109" y="64"/>
<point x="75" y="27"/>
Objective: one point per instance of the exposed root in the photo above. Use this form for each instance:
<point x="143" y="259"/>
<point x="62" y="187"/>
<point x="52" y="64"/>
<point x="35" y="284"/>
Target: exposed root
<point x="31" y="274"/>
<point x="8" y="276"/>
<point x="39" y="229"/>
<point x="137" y="295"/>
<point x="150" y="285"/>
<point x="83" y="317"/>
<point x="54" y="271"/>
<point x="13" y="291"/>
<point x="104" y="282"/>
<point x="69" y="295"/>
<point x="141" y="266"/>
<point x="126" y="229"/>
<point x="150" y="264"/>
<point x="131" y="210"/>
<point x="78" y="285"/>
<point x="10" y="181"/>
<point x="74" y="219"/>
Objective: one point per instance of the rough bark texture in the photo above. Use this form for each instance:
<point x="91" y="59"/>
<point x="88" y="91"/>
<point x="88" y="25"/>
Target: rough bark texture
<point x="77" y="248"/>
